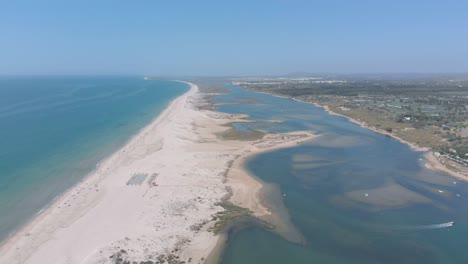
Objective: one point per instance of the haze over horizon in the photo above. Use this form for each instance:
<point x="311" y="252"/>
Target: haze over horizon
<point x="227" y="38"/>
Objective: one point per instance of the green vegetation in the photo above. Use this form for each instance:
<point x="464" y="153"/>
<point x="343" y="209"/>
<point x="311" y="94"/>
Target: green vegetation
<point x="121" y="257"/>
<point x="428" y="136"/>
<point x="234" y="134"/>
<point x="430" y="111"/>
<point x="231" y="212"/>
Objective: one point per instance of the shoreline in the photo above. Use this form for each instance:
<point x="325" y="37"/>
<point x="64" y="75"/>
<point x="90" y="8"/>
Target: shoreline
<point x="16" y="235"/>
<point x="250" y="192"/>
<point x="434" y="164"/>
<point x="377" y="130"/>
<point x="431" y="161"/>
<point x="153" y="199"/>
<point x="93" y="171"/>
<point x="98" y="165"/>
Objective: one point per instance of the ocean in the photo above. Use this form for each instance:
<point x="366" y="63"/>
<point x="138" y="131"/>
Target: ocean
<point x="55" y="130"/>
<point x="355" y="196"/>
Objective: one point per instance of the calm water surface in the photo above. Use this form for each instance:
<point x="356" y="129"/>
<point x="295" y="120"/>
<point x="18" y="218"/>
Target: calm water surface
<point x="53" y="131"/>
<point x="355" y="195"/>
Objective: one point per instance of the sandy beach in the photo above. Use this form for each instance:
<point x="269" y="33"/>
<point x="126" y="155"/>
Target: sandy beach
<point x="155" y="198"/>
<point x="434" y="163"/>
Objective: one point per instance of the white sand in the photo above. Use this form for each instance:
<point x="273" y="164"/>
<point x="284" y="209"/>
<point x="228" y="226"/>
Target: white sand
<point x="434" y="163"/>
<point x="102" y="215"/>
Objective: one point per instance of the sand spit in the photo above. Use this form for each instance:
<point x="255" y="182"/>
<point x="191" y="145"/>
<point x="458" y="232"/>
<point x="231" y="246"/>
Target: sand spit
<point x="154" y="199"/>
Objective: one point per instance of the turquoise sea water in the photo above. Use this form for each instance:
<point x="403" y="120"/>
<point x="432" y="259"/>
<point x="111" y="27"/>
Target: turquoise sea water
<point x="355" y="195"/>
<point x="54" y="130"/>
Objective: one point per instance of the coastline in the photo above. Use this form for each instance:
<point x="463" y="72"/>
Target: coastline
<point x="377" y="130"/>
<point x="154" y="199"/>
<point x="360" y="123"/>
<point x="432" y="162"/>
<point x="100" y="163"/>
<point x="248" y="191"/>
<point x="94" y="176"/>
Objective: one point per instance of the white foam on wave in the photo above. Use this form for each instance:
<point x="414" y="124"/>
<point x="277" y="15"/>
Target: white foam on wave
<point x="428" y="227"/>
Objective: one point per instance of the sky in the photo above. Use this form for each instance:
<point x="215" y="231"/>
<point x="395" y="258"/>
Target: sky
<point x="225" y="38"/>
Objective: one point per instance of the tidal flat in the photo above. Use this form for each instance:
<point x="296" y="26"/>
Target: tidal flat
<point x="355" y="196"/>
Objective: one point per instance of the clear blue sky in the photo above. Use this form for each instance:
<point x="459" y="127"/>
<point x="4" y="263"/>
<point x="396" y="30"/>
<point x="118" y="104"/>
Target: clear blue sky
<point x="232" y="37"/>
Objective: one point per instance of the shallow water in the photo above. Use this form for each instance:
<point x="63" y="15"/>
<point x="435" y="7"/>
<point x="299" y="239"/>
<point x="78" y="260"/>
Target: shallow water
<point x="54" y="130"/>
<point x="355" y="195"/>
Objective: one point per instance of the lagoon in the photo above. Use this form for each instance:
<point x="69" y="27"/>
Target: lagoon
<point x="355" y="195"/>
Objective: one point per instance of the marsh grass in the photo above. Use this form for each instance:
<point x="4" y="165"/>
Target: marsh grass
<point x="231" y="213"/>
